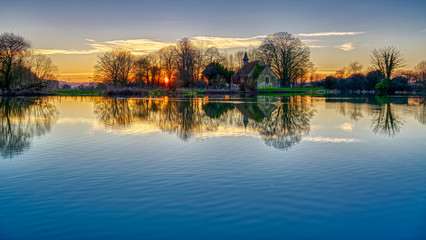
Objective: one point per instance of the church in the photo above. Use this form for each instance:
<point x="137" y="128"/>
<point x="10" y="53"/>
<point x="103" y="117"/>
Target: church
<point x="255" y="75"/>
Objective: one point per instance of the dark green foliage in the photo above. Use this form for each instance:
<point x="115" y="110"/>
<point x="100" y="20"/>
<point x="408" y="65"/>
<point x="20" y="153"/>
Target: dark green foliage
<point x="387" y="86"/>
<point x="249" y="83"/>
<point x="215" y="110"/>
<point x="216" y="74"/>
<point x="256" y="71"/>
<point x="229" y="76"/>
<point x="383" y="86"/>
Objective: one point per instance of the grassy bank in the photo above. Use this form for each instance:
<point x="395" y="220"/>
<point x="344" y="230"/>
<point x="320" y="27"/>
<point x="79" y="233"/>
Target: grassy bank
<point x="185" y="92"/>
<point x="301" y="89"/>
<point x="77" y="93"/>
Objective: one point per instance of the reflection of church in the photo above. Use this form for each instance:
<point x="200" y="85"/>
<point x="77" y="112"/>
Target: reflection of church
<point x="263" y="108"/>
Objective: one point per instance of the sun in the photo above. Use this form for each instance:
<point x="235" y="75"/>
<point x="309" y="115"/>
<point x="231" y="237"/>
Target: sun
<point x="166" y="81"/>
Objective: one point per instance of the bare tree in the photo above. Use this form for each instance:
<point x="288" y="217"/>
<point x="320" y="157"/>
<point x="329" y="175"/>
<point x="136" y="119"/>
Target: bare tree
<point x="141" y="69"/>
<point x="42" y="66"/>
<point x="148" y="70"/>
<point x="286" y="55"/>
<point x="354" y="68"/>
<point x="39" y="72"/>
<point x="186" y="54"/>
<point x="114" y="66"/>
<point x="387" y="60"/>
<point x="233" y="61"/>
<point x="420" y="71"/>
<point x="167" y="57"/>
<point x="347" y="71"/>
<point x="213" y="55"/>
<point x="12" y="49"/>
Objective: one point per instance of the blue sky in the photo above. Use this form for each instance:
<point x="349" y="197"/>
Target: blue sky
<point x="80" y="25"/>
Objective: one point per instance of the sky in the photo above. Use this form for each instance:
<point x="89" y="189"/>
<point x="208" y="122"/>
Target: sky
<point x="74" y="32"/>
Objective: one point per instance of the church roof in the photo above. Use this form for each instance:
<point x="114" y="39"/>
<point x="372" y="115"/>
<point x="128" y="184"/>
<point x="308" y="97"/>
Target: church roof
<point x="246" y="70"/>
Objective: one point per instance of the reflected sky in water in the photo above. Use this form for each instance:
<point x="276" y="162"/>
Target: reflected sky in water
<point x="294" y="167"/>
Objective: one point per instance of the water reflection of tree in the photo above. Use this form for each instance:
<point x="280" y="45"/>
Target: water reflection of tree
<point x="115" y="112"/>
<point x="354" y="111"/>
<point x="287" y="124"/>
<point x="420" y="115"/>
<point x="351" y="107"/>
<point x="281" y="126"/>
<point x="21" y="120"/>
<point x="385" y="120"/>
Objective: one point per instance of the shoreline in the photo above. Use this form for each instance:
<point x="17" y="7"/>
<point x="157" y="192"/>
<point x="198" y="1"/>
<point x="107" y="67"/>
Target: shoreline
<point x="136" y="92"/>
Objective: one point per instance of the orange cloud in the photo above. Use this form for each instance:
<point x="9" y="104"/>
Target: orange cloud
<point x="143" y="46"/>
<point x="136" y="46"/>
<point x="64" y="51"/>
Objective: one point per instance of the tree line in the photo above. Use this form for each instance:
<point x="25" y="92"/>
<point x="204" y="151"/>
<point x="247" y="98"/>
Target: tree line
<point x="192" y="64"/>
<point x="21" y="68"/>
<point x="384" y="74"/>
<point x="195" y="65"/>
<point x="180" y="65"/>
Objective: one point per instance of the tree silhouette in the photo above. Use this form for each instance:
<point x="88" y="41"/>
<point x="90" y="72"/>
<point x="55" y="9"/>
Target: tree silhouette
<point x="387" y="60"/>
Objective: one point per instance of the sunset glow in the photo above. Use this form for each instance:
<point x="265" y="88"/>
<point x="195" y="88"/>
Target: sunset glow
<point x="74" y="38"/>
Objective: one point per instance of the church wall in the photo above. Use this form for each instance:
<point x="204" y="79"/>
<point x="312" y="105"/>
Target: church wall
<point x="267" y="72"/>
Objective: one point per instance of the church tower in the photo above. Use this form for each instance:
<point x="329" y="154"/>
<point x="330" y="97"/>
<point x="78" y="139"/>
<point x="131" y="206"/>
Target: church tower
<point x="245" y="59"/>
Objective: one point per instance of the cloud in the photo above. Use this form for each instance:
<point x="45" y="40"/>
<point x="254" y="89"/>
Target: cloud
<point x="226" y="42"/>
<point x="347" y="127"/>
<point x="326" y="34"/>
<point x="143" y="46"/>
<point x="64" y="51"/>
<point x="331" y="140"/>
<point x="315" y="46"/>
<point x="136" y="46"/>
<point x="347" y="47"/>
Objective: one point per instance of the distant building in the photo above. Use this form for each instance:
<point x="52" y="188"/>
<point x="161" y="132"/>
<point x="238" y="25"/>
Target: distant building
<point x="255" y="75"/>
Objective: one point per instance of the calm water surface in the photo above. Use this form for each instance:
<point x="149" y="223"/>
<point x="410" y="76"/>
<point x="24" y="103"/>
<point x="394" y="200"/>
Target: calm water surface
<point x="296" y="167"/>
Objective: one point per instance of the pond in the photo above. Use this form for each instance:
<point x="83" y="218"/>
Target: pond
<point x="266" y="167"/>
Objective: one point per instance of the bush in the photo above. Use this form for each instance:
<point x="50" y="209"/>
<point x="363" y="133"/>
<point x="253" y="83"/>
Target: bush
<point x="383" y="86"/>
<point x="399" y="84"/>
<point x="372" y="79"/>
<point x="356" y="82"/>
<point x="330" y="82"/>
<point x="66" y="87"/>
<point x="101" y="86"/>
